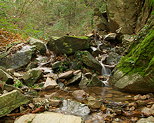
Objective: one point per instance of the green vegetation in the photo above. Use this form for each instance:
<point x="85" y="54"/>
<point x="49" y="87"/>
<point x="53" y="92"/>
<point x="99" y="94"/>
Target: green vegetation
<point x="17" y="83"/>
<point x="141" y="58"/>
<point x="48" y="17"/>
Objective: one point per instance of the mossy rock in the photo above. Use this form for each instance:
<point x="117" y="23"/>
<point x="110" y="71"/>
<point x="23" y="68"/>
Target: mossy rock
<point x="5" y="77"/>
<point x="11" y="101"/>
<point x="40" y="45"/>
<point x="32" y="76"/>
<point x="89" y="60"/>
<point x="135" y="72"/>
<point x="69" y="44"/>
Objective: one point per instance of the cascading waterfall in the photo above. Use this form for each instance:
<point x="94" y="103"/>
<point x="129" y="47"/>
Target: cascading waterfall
<point x="105" y="73"/>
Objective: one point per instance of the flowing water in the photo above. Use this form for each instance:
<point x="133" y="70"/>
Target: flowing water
<point x="102" y="93"/>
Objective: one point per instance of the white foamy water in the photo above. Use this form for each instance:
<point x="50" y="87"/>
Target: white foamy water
<point x="106" y="73"/>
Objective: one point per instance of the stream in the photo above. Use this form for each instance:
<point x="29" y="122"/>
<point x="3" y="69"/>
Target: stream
<point x="95" y="104"/>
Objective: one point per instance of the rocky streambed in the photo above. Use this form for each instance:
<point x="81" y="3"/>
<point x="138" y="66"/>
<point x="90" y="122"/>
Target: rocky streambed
<point x="66" y="80"/>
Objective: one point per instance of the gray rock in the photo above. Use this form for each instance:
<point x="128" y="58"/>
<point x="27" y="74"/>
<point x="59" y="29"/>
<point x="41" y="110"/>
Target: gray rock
<point x="31" y="76"/>
<point x="19" y="59"/>
<point x="74" y="108"/>
<point x="93" y="81"/>
<point x="50" y="84"/>
<point x="89" y="60"/>
<point x="48" y="117"/>
<point x="11" y="101"/>
<point x="146" y="120"/>
<point x="40" y="45"/>
<point x="69" y="44"/>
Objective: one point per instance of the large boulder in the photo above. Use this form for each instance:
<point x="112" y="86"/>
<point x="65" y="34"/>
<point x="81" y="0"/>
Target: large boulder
<point x="11" y="101"/>
<point x="135" y="71"/>
<point x="130" y="16"/>
<point x="18" y="59"/>
<point x="48" y="117"/>
<point x="68" y="44"/>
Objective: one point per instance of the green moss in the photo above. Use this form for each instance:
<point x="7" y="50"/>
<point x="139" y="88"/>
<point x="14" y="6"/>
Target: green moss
<point x="140" y="58"/>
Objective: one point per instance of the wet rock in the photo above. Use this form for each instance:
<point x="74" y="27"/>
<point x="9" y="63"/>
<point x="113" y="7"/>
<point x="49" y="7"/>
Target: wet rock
<point x="5" y="77"/>
<point x="95" y="52"/>
<point x="31" y="76"/>
<point x="89" y="60"/>
<point x="19" y="59"/>
<point x="40" y="47"/>
<point x="48" y="117"/>
<point x="113" y="58"/>
<point x="146" y="120"/>
<point x="80" y="95"/>
<point x="11" y="101"/>
<point x="93" y="103"/>
<point x="68" y="44"/>
<point x="66" y="75"/>
<point x="75" y="78"/>
<point x="75" y="108"/>
<point x="50" y="84"/>
<point x="93" y="81"/>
